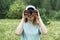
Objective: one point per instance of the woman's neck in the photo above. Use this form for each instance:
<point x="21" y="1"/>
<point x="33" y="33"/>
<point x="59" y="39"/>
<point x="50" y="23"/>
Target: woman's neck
<point x="30" y="21"/>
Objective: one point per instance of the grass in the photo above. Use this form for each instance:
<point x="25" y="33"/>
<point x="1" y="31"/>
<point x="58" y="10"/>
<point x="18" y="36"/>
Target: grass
<point x="8" y="26"/>
<point x="53" y="31"/>
<point x="7" y="29"/>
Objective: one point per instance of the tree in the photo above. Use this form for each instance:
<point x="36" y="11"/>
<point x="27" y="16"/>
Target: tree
<point x="4" y="6"/>
<point x="57" y="5"/>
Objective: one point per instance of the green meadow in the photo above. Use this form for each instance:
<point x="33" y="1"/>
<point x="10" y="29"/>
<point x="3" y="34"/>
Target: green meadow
<point x="8" y="27"/>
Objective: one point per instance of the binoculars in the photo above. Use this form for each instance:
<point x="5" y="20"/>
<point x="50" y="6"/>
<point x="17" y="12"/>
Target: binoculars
<point x="30" y="11"/>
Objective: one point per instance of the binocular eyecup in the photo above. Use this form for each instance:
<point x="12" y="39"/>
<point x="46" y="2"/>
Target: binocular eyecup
<point x="30" y="11"/>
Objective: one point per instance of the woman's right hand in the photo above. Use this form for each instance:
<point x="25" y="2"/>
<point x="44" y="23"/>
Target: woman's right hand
<point x="24" y="16"/>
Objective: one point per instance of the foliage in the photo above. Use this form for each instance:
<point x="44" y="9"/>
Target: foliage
<point x="4" y="7"/>
<point x="16" y="9"/>
<point x="44" y="16"/>
<point x="57" y="5"/>
<point x="57" y="16"/>
<point x="13" y="9"/>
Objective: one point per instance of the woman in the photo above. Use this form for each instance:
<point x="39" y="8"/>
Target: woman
<point x="31" y="25"/>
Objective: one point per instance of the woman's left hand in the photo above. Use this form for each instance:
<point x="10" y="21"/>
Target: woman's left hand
<point x="38" y="17"/>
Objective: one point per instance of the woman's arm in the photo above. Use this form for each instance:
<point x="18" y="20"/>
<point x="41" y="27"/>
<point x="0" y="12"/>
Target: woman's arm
<point x="42" y="27"/>
<point x="19" y="29"/>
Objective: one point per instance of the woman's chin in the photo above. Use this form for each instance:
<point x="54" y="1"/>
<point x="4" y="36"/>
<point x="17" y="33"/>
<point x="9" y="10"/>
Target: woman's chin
<point x="31" y="20"/>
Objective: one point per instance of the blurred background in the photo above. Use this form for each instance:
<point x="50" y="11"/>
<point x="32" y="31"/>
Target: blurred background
<point x="11" y="14"/>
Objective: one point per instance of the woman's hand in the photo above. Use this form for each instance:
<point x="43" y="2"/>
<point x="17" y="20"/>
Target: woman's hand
<point x="38" y="17"/>
<point x="24" y="16"/>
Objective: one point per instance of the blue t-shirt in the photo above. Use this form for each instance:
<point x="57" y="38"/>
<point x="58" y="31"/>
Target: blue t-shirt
<point x="30" y="32"/>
